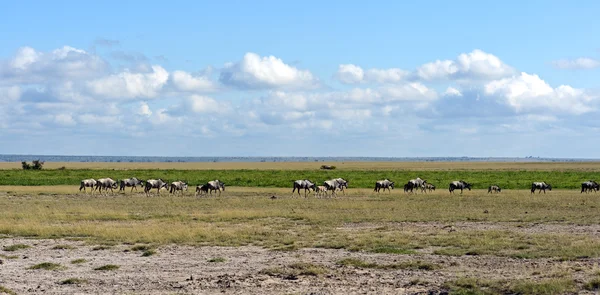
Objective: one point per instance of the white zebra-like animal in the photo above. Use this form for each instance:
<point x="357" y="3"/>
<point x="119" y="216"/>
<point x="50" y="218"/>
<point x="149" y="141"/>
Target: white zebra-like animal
<point x="91" y="183"/>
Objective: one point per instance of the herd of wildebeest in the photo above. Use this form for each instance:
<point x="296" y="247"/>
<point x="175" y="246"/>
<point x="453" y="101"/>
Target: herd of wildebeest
<point x="329" y="187"/>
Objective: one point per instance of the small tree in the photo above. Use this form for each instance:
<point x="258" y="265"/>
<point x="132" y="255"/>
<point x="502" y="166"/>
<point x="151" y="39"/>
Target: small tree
<point x="36" y="165"/>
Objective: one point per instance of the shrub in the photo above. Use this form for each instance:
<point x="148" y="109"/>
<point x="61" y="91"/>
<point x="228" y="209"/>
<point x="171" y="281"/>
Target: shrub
<point x="35" y="165"/>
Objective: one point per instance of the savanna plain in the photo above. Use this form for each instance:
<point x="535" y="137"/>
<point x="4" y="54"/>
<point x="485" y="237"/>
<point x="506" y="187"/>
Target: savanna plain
<point x="256" y="237"/>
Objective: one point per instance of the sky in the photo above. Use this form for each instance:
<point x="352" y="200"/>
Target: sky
<point x="300" y="78"/>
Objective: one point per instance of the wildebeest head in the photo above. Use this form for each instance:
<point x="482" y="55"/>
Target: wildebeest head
<point x="549" y="187"/>
<point x="392" y="184"/>
<point x="467" y="185"/>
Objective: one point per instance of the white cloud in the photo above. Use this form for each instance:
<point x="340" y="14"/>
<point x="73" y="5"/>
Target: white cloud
<point x="350" y="74"/>
<point x="530" y="93"/>
<point x="203" y="104"/>
<point x="64" y="119"/>
<point x="144" y="109"/>
<point x="255" y="72"/>
<point x="25" y="56"/>
<point x="409" y="92"/>
<point x="582" y="63"/>
<point x="131" y="85"/>
<point x="184" y="81"/>
<point x="474" y="65"/>
<point x="451" y="91"/>
<point x="10" y="94"/>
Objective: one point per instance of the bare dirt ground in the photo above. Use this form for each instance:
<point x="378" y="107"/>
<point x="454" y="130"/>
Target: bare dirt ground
<point x="176" y="269"/>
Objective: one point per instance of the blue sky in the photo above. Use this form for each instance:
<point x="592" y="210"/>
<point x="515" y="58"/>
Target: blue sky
<point x="300" y="78"/>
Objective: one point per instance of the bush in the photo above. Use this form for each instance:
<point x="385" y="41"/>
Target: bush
<point x="327" y="167"/>
<point x="35" y="165"/>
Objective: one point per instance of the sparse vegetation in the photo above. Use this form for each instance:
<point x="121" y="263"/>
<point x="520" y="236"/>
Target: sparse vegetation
<point x="101" y="247"/>
<point x="78" y="261"/>
<point x="107" y="267"/>
<point x="593" y="285"/>
<point x="47" y="266"/>
<point x="141" y="248"/>
<point x="414" y="265"/>
<point x="73" y="281"/>
<point x="4" y="290"/>
<point x="149" y="252"/>
<point x="217" y="259"/>
<point x="15" y="247"/>
<point x="9" y="256"/>
<point x="294" y="270"/>
<point x="484" y="287"/>
<point x="63" y="247"/>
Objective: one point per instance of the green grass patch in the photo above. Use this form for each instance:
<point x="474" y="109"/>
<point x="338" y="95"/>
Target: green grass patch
<point x="592" y="285"/>
<point x="101" y="247"/>
<point x="4" y="290"/>
<point x="9" y="256"/>
<point x="78" y="261"/>
<point x="484" y="287"/>
<point x="47" y="266"/>
<point x="63" y="247"/>
<point x="73" y="281"/>
<point x="149" y="252"/>
<point x="15" y="247"/>
<point x="217" y="259"/>
<point x="107" y="267"/>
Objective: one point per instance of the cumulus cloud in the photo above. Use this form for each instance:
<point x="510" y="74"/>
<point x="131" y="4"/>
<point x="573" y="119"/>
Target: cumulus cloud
<point x="10" y="94"/>
<point x="353" y="74"/>
<point x="528" y="92"/>
<point x="477" y="65"/>
<point x="131" y="85"/>
<point x="203" y="104"/>
<point x="269" y="72"/>
<point x="184" y="81"/>
<point x="350" y="74"/>
<point x="582" y="63"/>
<point x="143" y="109"/>
<point x="451" y="91"/>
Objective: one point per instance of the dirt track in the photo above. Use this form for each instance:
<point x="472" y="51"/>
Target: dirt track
<point x="186" y="270"/>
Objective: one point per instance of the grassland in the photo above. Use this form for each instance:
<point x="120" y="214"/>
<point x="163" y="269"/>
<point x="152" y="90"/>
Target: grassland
<point x="507" y="179"/>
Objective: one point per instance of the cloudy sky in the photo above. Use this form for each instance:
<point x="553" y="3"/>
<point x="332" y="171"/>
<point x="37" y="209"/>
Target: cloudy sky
<point x="300" y="78"/>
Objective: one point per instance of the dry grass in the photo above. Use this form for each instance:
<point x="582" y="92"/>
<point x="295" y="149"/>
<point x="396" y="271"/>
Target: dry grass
<point x="433" y="166"/>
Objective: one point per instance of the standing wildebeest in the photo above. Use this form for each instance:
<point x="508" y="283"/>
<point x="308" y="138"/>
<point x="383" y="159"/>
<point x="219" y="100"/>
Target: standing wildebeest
<point x="417" y="183"/>
<point x="384" y="184"/>
<point x="215" y="185"/>
<point x="91" y="183"/>
<point x="343" y="184"/>
<point x="540" y="186"/>
<point x="459" y="185"/>
<point x="178" y="186"/>
<point x="305" y="184"/>
<point x="430" y="187"/>
<point x="154" y="183"/>
<point x="494" y="188"/>
<point x="335" y="184"/>
<point x="201" y="188"/>
<point x="589" y="185"/>
<point x="130" y="182"/>
<point x="106" y="184"/>
<point x="320" y="190"/>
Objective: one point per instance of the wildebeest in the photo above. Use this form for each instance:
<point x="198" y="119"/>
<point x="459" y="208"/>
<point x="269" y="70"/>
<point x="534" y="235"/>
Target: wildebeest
<point x="305" y="184"/>
<point x="408" y="186"/>
<point x="215" y="185"/>
<point x="320" y="190"/>
<point x="91" y="183"/>
<point x="589" y="185"/>
<point x="178" y="186"/>
<point x="201" y="188"/>
<point x="335" y="184"/>
<point x="540" y="186"/>
<point x="494" y="188"/>
<point x="417" y="183"/>
<point x="430" y="187"/>
<point x="106" y="184"/>
<point x="130" y="182"/>
<point x="460" y="184"/>
<point x="384" y="184"/>
<point x="154" y="183"/>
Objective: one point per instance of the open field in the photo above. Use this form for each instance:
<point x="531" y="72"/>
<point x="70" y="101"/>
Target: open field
<point x="245" y="241"/>
<point x="363" y="166"/>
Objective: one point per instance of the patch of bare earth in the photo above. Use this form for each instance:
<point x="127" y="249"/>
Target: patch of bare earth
<point x="176" y="269"/>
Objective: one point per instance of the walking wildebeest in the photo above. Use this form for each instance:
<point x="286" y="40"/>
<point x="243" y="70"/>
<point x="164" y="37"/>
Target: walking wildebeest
<point x="430" y="187"/>
<point x="178" y="186"/>
<point x="494" y="188"/>
<point x="305" y="184"/>
<point x="320" y="190"/>
<point x="589" y="185"/>
<point x="154" y="183"/>
<point x="540" y="186"/>
<point x="201" y="188"/>
<point x="91" y="183"/>
<point x="215" y="185"/>
<point x="417" y="183"/>
<point x="130" y="182"/>
<point x="335" y="184"/>
<point x="106" y="184"/>
<point x="383" y="184"/>
<point x="460" y="184"/>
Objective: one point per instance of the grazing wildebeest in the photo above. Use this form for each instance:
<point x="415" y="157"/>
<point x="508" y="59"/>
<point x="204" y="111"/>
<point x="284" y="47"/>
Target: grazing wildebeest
<point x="417" y="183"/>
<point x="130" y="182"/>
<point x="384" y="184"/>
<point x="201" y="188"/>
<point x="106" y="184"/>
<point x="540" y="186"/>
<point x="320" y="190"/>
<point x="91" y="183"/>
<point x="178" y="186"/>
<point x="335" y="184"/>
<point x="430" y="187"/>
<point x="305" y="184"/>
<point x="216" y="185"/>
<point x="589" y="185"/>
<point x="494" y="188"/>
<point x="154" y="183"/>
<point x="460" y="184"/>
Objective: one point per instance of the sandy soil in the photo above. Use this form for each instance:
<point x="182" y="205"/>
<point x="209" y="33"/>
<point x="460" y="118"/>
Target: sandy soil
<point x="186" y="270"/>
